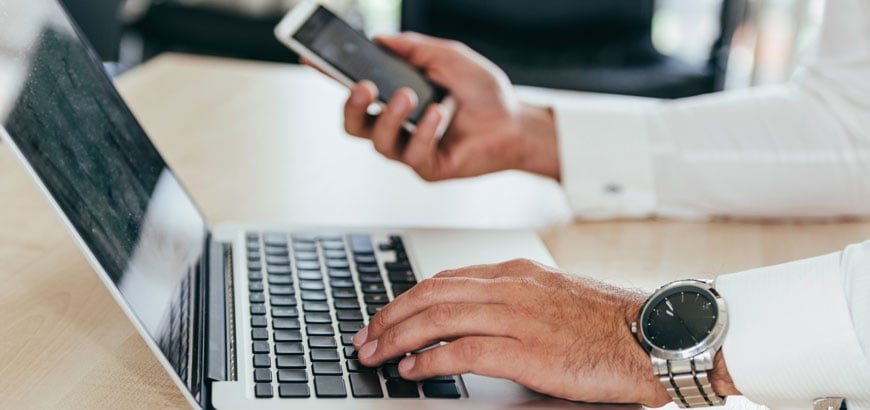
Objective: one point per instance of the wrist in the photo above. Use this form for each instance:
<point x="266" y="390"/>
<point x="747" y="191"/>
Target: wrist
<point x="654" y="394"/>
<point x="535" y="129"/>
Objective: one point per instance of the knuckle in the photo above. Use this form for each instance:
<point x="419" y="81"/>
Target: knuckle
<point x="470" y="350"/>
<point x="441" y="315"/>
<point x="392" y="338"/>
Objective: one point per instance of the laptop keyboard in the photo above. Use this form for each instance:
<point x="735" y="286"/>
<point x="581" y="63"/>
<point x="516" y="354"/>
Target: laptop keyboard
<point x="309" y="294"/>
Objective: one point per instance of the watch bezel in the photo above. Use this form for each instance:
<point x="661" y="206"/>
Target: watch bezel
<point x="713" y="341"/>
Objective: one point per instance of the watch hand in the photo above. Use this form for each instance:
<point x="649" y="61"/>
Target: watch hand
<point x="682" y="322"/>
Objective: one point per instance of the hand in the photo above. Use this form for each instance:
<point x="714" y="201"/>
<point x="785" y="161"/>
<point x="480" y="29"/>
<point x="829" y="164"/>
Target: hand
<point x="561" y="335"/>
<point x="490" y="131"/>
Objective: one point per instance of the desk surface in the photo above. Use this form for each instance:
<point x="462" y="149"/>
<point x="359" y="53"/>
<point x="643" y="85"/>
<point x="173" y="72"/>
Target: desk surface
<point x="262" y="142"/>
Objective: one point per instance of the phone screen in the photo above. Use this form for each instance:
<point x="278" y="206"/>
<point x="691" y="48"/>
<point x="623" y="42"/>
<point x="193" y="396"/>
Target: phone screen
<point x="358" y="58"/>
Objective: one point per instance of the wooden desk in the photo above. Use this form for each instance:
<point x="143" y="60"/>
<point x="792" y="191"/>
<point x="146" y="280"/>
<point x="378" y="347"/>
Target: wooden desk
<point x="263" y="142"/>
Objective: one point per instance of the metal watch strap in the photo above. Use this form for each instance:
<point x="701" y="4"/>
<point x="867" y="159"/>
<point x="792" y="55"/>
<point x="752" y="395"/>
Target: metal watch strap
<point x="687" y="382"/>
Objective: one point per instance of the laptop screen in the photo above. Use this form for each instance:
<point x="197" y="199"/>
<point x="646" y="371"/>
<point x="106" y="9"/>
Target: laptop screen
<point x="62" y="113"/>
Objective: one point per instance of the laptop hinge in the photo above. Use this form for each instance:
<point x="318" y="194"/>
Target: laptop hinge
<point x="221" y="313"/>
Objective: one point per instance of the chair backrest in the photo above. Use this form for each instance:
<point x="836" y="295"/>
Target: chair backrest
<point x="526" y="23"/>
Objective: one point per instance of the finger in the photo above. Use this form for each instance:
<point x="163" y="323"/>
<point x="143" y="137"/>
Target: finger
<point x="388" y="127"/>
<point x="357" y="121"/>
<point x="438" y="323"/>
<point x="419" y="49"/>
<point x="481" y="355"/>
<point x="427" y="293"/>
<point x="420" y="153"/>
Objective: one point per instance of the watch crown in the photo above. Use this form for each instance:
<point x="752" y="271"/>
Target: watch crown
<point x="634" y="328"/>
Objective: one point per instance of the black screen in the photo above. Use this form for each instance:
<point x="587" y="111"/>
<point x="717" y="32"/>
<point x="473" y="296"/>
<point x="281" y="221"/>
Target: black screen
<point x="680" y="319"/>
<point x="63" y="114"/>
<point x="358" y="58"/>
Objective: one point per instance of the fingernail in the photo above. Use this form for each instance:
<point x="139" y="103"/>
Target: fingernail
<point x="369" y="349"/>
<point x="433" y="117"/>
<point x="360" y="337"/>
<point x="407" y="364"/>
<point x="358" y="97"/>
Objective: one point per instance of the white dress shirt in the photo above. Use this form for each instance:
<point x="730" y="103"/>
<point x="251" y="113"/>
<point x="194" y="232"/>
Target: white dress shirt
<point x="798" y="331"/>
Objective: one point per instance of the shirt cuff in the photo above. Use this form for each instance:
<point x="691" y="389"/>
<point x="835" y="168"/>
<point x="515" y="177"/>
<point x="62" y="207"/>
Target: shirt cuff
<point x="606" y="157"/>
<point x="791" y="338"/>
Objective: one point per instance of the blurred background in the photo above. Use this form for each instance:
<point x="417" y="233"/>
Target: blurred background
<point x="655" y="48"/>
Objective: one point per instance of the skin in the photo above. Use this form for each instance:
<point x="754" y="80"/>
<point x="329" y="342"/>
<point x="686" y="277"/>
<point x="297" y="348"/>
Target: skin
<point x="564" y="335"/>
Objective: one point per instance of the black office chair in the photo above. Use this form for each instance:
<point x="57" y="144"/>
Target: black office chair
<point x="590" y="45"/>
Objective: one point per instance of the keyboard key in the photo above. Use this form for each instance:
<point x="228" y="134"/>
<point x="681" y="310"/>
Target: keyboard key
<point x="283" y="300"/>
<point x="310" y="275"/>
<point x="256" y="286"/>
<point x="289" y="348"/>
<point x="340" y="274"/>
<point x="350" y="327"/>
<point x="441" y="390"/>
<point x="405" y="276"/>
<point x="304" y="247"/>
<point x="333" y="245"/>
<point x="374" y="309"/>
<point x="314" y="296"/>
<point x="366" y="268"/>
<point x="254" y="257"/>
<point x="306" y="256"/>
<point x="316" y="342"/>
<point x="258" y="309"/>
<point x="365" y="385"/>
<point x="335" y="254"/>
<point x="315" y="307"/>
<point x="281" y="290"/>
<point x="393" y="266"/>
<point x="290" y="362"/>
<point x="278" y="270"/>
<point x="380" y="299"/>
<point x="275" y="239"/>
<point x="324" y="355"/>
<point x="350" y="352"/>
<point x="347" y="340"/>
<point x="344" y="293"/>
<point x="318" y="318"/>
<point x="293" y="390"/>
<point x="329" y="386"/>
<point x="286" y="324"/>
<point x="260" y="334"/>
<point x="354" y="366"/>
<point x="258" y="297"/>
<point x="262" y="360"/>
<point x="337" y="264"/>
<point x="304" y="238"/>
<point x="307" y="265"/>
<point x="280" y="280"/>
<point x="311" y="285"/>
<point x="261" y="347"/>
<point x="349" y="315"/>
<point x="400" y="289"/>
<point x="365" y="259"/>
<point x="262" y="375"/>
<point x="360" y="243"/>
<point x="277" y="251"/>
<point x="278" y="260"/>
<point x="402" y="389"/>
<point x="320" y="330"/>
<point x="288" y="336"/>
<point x="342" y="283"/>
<point x="374" y="288"/>
<point x="285" y="312"/>
<point x="255" y="266"/>
<point x="440" y="379"/>
<point x="263" y="390"/>
<point x="292" y="376"/>
<point x="259" y="321"/>
<point x="255" y="276"/>
<point x="391" y="371"/>
<point x="346" y="304"/>
<point x="371" y="278"/>
<point x="327" y="368"/>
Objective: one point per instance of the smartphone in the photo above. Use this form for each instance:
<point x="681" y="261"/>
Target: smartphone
<point x="331" y="44"/>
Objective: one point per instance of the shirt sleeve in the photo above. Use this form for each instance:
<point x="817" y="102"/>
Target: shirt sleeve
<point x="801" y="330"/>
<point x="800" y="149"/>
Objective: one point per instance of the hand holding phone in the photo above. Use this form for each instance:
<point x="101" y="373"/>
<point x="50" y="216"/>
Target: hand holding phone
<point x="333" y="46"/>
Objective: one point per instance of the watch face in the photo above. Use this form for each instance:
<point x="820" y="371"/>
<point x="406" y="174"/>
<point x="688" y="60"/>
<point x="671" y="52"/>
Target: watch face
<point x="680" y="318"/>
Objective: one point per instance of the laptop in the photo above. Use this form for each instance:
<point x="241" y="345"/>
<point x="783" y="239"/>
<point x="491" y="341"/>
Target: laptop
<point x="240" y="315"/>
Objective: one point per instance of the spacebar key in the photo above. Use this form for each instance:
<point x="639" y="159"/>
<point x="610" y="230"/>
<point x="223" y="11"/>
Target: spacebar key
<point x="365" y="385"/>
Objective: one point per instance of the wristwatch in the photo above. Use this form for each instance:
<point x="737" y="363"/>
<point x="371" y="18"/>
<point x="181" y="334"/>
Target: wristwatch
<point x="682" y="326"/>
